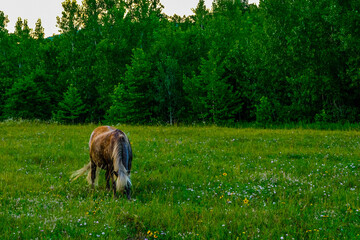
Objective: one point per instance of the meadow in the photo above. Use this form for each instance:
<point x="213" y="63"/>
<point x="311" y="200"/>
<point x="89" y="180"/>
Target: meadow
<point x="188" y="183"/>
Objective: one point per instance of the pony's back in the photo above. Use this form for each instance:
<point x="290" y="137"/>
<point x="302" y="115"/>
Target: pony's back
<point x="100" y="131"/>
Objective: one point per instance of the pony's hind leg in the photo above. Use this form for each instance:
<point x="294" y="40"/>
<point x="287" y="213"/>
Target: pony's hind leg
<point x="107" y="179"/>
<point x="93" y="173"/>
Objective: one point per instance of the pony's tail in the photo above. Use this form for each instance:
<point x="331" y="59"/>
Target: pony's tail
<point x="123" y="178"/>
<point x="81" y="171"/>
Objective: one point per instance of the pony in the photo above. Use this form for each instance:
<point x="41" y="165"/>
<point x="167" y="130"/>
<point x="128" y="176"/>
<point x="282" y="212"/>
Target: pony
<point x="110" y="149"/>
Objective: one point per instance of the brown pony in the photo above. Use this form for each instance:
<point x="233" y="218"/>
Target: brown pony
<point x="110" y="149"/>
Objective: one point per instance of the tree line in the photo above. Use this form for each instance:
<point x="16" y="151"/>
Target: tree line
<point x="126" y="61"/>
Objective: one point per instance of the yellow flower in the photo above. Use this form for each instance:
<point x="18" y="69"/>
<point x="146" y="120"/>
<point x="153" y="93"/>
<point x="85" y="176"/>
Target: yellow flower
<point x="225" y="174"/>
<point x="246" y="201"/>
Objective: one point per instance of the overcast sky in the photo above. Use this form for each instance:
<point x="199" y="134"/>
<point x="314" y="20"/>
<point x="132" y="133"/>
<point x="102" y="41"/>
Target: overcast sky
<point x="47" y="10"/>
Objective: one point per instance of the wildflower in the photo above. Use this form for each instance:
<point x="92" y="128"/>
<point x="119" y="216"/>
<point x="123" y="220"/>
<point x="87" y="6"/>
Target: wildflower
<point x="246" y="201"/>
<point x="224" y="174"/>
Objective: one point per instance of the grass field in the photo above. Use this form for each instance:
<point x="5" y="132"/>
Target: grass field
<point x="188" y="182"/>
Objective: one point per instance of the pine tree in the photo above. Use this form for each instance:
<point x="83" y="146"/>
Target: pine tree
<point x="71" y="107"/>
<point x="133" y="99"/>
<point x="26" y="100"/>
<point x="211" y="96"/>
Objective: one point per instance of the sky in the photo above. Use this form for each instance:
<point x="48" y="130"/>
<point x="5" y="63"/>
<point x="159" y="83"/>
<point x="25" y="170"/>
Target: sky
<point x="48" y="10"/>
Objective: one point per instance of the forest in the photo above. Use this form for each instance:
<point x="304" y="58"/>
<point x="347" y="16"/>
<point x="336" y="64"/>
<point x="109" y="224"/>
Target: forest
<point x="125" y="61"/>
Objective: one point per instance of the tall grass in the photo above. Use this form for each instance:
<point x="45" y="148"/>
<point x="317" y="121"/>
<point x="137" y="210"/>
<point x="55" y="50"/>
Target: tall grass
<point x="188" y="182"/>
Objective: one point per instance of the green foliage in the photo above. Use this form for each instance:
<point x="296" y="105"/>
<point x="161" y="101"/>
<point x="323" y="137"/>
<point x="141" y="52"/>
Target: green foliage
<point x="133" y="98"/>
<point x="210" y="94"/>
<point x="71" y="107"/>
<point x="168" y="94"/>
<point x="3" y="21"/>
<point x="132" y="63"/>
<point x="39" y="31"/>
<point x="264" y="111"/>
<point x="25" y="99"/>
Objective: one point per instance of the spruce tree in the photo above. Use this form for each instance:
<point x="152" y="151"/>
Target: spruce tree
<point x="25" y="99"/>
<point x="71" y="107"/>
<point x="212" y="97"/>
<point x="133" y="99"/>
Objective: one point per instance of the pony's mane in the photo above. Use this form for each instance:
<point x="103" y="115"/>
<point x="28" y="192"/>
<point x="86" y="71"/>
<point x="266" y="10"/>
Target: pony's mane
<point x="120" y="147"/>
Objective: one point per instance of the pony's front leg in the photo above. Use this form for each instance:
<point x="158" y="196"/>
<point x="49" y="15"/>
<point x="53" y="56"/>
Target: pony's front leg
<point x="114" y="186"/>
<point x="128" y="191"/>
